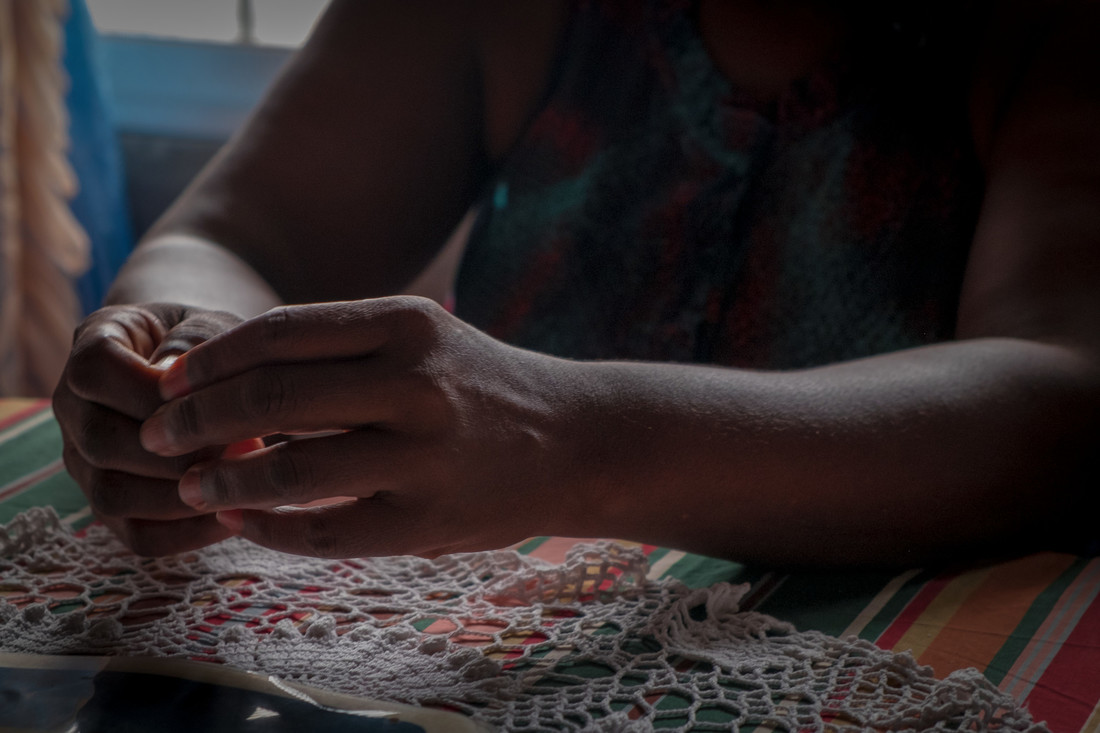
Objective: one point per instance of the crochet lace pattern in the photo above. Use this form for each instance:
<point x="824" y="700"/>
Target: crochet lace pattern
<point x="517" y="643"/>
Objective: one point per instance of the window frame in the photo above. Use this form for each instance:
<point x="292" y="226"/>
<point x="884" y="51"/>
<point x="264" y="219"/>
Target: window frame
<point x="182" y="88"/>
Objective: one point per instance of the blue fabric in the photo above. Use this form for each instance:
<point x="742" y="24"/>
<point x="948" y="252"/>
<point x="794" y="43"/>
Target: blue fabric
<point x="100" y="205"/>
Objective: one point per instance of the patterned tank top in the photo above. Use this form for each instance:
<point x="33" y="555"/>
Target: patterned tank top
<point x="651" y="211"/>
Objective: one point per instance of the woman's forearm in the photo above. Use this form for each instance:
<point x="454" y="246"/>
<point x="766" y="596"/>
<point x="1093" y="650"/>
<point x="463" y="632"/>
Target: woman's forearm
<point x="968" y="446"/>
<point x="177" y="268"/>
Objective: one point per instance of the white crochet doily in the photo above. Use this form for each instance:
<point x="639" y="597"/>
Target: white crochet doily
<point x="517" y="643"/>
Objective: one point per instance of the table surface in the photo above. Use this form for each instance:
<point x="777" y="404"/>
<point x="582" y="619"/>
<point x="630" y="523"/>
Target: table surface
<point x="1030" y="625"/>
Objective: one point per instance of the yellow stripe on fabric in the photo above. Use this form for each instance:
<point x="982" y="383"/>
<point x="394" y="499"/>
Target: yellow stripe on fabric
<point x="24" y="426"/>
<point x="985" y="621"/>
<point x="25" y="482"/>
<point x="1048" y="639"/>
<point x="10" y="406"/>
<point x="1092" y="725"/>
<point x="930" y="623"/>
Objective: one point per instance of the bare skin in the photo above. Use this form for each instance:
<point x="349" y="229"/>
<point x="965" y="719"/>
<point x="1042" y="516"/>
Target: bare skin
<point x="981" y="445"/>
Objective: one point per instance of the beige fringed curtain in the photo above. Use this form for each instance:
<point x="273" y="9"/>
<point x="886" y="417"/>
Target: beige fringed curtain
<point x="42" y="246"/>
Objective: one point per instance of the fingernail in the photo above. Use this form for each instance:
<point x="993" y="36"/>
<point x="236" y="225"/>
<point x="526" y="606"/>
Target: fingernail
<point x="166" y="361"/>
<point x="231" y="519"/>
<point x="173" y="383"/>
<point x="155" y="438"/>
<point x="190" y="490"/>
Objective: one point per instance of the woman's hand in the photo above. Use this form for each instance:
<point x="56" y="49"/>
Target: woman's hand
<point x="108" y="388"/>
<point x="441" y="438"/>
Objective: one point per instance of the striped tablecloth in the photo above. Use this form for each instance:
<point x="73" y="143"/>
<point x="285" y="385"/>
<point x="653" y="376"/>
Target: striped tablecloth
<point x="1031" y="625"/>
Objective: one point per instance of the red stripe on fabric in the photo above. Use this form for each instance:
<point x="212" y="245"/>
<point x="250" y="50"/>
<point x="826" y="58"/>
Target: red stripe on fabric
<point x="23" y="414"/>
<point x="6" y="492"/>
<point x="1058" y="625"/>
<point x="1069" y="689"/>
<point x="762" y="590"/>
<point x="912" y="611"/>
<point x="987" y="618"/>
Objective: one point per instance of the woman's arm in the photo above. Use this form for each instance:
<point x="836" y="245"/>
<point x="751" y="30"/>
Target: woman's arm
<point x="364" y="156"/>
<point x="983" y="445"/>
<point x="979" y="446"/>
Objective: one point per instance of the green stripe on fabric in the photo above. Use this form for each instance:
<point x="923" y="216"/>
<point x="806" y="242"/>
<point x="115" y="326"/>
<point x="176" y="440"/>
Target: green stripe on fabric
<point x="656" y="555"/>
<point x="882" y="620"/>
<point x="1029" y="625"/>
<point x="698" y="571"/>
<point x="530" y="545"/>
<point x="26" y="453"/>
<point x="34" y="449"/>
<point x="58" y="491"/>
<point x="826" y="602"/>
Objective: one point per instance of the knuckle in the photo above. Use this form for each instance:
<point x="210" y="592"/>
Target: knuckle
<point x="77" y="467"/>
<point x="186" y="417"/>
<point x="86" y="362"/>
<point x="97" y="443"/>
<point x="276" y="326"/>
<point x="417" y="309"/>
<point x="89" y="331"/>
<point x="318" y="537"/>
<point x="201" y="326"/>
<point x="265" y="392"/>
<point x="217" y="487"/>
<point x="414" y="304"/>
<point x="84" y="326"/>
<point x="195" y="330"/>
<point x="288" y="474"/>
<point x="69" y="410"/>
<point x="105" y="493"/>
<point x="412" y="315"/>
<point x="70" y="456"/>
<point x="62" y="395"/>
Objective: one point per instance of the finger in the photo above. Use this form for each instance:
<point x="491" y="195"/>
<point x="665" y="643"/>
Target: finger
<point x="107" y="440"/>
<point x="196" y="328"/>
<point x="363" y="528"/>
<point x="289" y="398"/>
<point x="107" y="372"/>
<point x="119" y="494"/>
<point x="119" y="353"/>
<point x="150" y="538"/>
<point x="357" y="464"/>
<point x="300" y="333"/>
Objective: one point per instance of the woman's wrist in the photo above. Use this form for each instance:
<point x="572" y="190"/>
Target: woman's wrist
<point x="178" y="268"/>
<point x="602" y="440"/>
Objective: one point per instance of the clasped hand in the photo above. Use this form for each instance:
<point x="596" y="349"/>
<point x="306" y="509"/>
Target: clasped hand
<point x="439" y="438"/>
